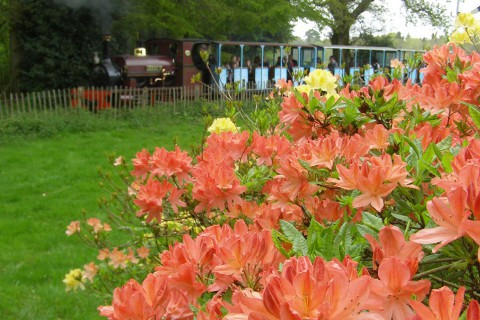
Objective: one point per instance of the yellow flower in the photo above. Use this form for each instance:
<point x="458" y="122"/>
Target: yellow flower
<point x="303" y="88"/>
<point x="321" y="79"/>
<point x="74" y="280"/>
<point x="460" y="37"/>
<point x="220" y="125"/>
<point x="335" y="95"/>
<point x="466" y="20"/>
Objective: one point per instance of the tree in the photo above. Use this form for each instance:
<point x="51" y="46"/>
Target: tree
<point x="341" y="15"/>
<point x="255" y="20"/>
<point x="368" y="39"/>
<point x="312" y="36"/>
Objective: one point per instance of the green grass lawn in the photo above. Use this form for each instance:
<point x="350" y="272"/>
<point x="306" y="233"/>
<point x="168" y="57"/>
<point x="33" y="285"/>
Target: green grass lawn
<point x="45" y="182"/>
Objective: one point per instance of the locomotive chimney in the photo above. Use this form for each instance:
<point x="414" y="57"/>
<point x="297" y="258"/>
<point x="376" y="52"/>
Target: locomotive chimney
<point x="106" y="47"/>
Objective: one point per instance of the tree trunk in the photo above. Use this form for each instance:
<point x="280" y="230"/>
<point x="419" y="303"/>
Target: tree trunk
<point x="341" y="36"/>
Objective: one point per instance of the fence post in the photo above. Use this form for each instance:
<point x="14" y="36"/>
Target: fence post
<point x="11" y="105"/>
<point x="44" y="101"/>
<point x="66" y="106"/>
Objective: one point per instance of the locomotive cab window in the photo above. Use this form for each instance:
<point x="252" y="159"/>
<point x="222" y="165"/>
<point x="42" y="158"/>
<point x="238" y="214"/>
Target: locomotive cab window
<point x="173" y="49"/>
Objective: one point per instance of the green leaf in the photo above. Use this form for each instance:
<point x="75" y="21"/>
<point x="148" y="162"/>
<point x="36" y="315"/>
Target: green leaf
<point x="474" y="113"/>
<point x="413" y="145"/>
<point x="447" y="162"/>
<point x="371" y="221"/>
<point x="300" y="246"/>
<point x="401" y="217"/>
<point x="429" y="154"/>
<point x="445" y="144"/>
<point x="363" y="230"/>
<point x="278" y="240"/>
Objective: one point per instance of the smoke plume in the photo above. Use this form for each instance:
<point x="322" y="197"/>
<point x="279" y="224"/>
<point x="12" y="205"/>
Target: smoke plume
<point x="102" y="10"/>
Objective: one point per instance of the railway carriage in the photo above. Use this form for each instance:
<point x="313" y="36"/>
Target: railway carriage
<point x="166" y="62"/>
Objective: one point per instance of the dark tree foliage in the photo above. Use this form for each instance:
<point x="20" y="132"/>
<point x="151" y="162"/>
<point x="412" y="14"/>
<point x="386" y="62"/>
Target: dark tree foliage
<point x="4" y="44"/>
<point x="56" y="45"/>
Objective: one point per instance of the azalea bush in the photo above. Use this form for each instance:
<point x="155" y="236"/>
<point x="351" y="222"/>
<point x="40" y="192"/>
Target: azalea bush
<point x="337" y="204"/>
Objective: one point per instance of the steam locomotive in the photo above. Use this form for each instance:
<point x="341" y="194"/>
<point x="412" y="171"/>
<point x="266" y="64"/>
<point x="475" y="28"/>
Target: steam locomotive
<point x="162" y="63"/>
<point x="138" y="70"/>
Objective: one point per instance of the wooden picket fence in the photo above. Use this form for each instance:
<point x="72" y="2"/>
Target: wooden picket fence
<point x="95" y="100"/>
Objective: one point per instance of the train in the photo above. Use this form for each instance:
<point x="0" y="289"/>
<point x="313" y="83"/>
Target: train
<point x="167" y="62"/>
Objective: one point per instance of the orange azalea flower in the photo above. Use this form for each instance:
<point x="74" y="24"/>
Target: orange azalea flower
<point x="165" y="163"/>
<point x="371" y="182"/>
<point x="96" y="224"/>
<point x="450" y="214"/>
<point x="375" y="180"/>
<point x="473" y="312"/>
<point x="292" y="109"/>
<point x="226" y="147"/>
<point x="377" y="138"/>
<point x="268" y="217"/>
<point x="133" y="188"/>
<point x="326" y="210"/>
<point x="429" y="134"/>
<point x="354" y="147"/>
<point x="283" y="85"/>
<point x="197" y="253"/>
<point x="215" y="185"/>
<point x="72" y="228"/>
<point x="270" y="149"/>
<point x="325" y="151"/>
<point x="396" y="287"/>
<point x="438" y="59"/>
<point x="118" y="259"/>
<point x="141" y="164"/>
<point x="443" y="305"/>
<point x="143" y="252"/>
<point x="247" y="209"/>
<point x="471" y="79"/>
<point x="128" y="303"/>
<point x="392" y="244"/>
<point x="347" y="176"/>
<point x="103" y="254"/>
<point x="472" y="228"/>
<point x="153" y="299"/>
<point x="443" y="95"/>
<point x="378" y="83"/>
<point x="174" y="199"/>
<point x="244" y="258"/>
<point x="303" y="290"/>
<point x="90" y="270"/>
<point x="150" y="199"/>
<point x="394" y="171"/>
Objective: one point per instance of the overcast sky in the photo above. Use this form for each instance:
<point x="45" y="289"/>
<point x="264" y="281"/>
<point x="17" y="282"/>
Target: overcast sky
<point x="395" y="20"/>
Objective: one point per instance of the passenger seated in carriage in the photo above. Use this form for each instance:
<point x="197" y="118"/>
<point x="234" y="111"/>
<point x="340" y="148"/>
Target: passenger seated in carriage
<point x="230" y="67"/>
<point x="251" y="70"/>
<point x="376" y="66"/>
